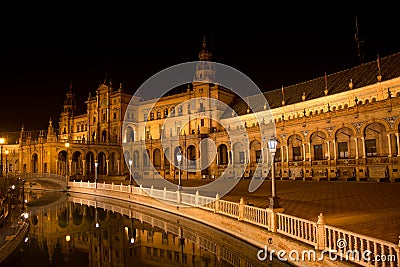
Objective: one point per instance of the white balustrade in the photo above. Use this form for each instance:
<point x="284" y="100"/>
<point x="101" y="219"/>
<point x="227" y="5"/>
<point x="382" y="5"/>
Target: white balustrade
<point x="298" y="228"/>
<point x="313" y="233"/>
<point x="255" y="215"/>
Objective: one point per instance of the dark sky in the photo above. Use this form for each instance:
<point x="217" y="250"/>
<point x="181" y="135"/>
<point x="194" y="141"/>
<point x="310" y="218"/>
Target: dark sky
<point x="35" y="74"/>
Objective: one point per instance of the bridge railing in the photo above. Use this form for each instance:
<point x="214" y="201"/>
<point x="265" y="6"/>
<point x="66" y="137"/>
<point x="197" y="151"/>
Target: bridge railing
<point x="317" y="234"/>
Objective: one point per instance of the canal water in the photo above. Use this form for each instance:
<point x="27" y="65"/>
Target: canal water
<point x="83" y="230"/>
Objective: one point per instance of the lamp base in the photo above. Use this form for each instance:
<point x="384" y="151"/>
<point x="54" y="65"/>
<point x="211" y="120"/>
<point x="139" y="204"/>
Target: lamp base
<point x="274" y="203"/>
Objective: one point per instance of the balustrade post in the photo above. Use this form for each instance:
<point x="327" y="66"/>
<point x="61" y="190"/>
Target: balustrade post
<point x="196" y="199"/>
<point x="320" y="245"/>
<point x="273" y="218"/>
<point x="140" y="190"/>
<point x="216" y="209"/>
<point x="241" y="209"/>
<point x="178" y="196"/>
<point x="151" y="191"/>
<point x="165" y="193"/>
<point x="129" y="189"/>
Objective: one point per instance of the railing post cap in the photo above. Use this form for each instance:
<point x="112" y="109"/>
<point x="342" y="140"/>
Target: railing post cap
<point x="217" y="196"/>
<point x="197" y="192"/>
<point x="241" y="201"/>
<point x="321" y="219"/>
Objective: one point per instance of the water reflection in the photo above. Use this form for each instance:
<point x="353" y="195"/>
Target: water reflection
<point x="82" y="230"/>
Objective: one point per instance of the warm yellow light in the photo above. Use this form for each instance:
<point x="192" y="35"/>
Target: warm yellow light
<point x="6" y="151"/>
<point x="67" y="145"/>
<point x="2" y="141"/>
<point x="67" y="238"/>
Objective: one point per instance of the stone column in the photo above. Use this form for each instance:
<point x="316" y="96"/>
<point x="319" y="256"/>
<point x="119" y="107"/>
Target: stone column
<point x="118" y="167"/>
<point x="398" y="144"/>
<point x="304" y="152"/>
<point x="329" y="150"/>
<point x="390" y="145"/>
<point x="309" y="151"/>
<point x="282" y="154"/>
<point x="107" y="166"/>
<point x="287" y="153"/>
<point x="363" y="146"/>
<point x="83" y="167"/>
<point x="334" y="150"/>
<point x="356" y="141"/>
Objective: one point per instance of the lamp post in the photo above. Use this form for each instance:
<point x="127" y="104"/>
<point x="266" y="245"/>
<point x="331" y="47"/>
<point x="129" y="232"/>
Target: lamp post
<point x="130" y="171"/>
<point x="273" y="200"/>
<point x="2" y="141"/>
<point x="96" y="164"/>
<point x="6" y="152"/>
<point x="179" y="159"/>
<point x="66" y="162"/>
<point x="6" y="177"/>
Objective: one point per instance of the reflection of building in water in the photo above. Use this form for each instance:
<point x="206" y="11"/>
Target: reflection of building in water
<point x="344" y="125"/>
<point x="120" y="240"/>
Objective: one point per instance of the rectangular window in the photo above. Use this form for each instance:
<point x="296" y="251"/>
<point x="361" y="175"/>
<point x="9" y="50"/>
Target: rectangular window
<point x="151" y="116"/>
<point x="202" y="122"/>
<point x="318" y="155"/>
<point x="145" y="116"/>
<point x="343" y="150"/>
<point x="158" y="115"/>
<point x="370" y="148"/>
<point x="258" y="156"/>
<point x="115" y="115"/>
<point x="241" y="157"/>
<point x="297" y="153"/>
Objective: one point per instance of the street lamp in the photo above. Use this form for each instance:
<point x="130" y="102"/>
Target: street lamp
<point x="273" y="200"/>
<point x="2" y="141"/>
<point x="130" y="171"/>
<point x="179" y="159"/>
<point x="96" y="164"/>
<point x="6" y="152"/>
<point x="66" y="162"/>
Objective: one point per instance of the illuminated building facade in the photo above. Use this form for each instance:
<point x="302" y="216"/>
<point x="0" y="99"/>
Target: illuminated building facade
<point x="342" y="126"/>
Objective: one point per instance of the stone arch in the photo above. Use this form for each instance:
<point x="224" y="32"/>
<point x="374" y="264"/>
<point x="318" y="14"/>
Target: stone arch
<point x="319" y="149"/>
<point x="157" y="158"/>
<point x="376" y="142"/>
<point x="222" y="151"/>
<point x="76" y="168"/>
<point x="90" y="159"/>
<point x="35" y="163"/>
<point x="294" y="146"/>
<point x="345" y="142"/>
<point x="129" y="135"/>
<point x="62" y="163"/>
<point x="102" y="160"/>
<point x="255" y="152"/>
<point x="191" y="154"/>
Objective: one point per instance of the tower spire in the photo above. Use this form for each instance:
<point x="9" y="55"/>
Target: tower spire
<point x="205" y="69"/>
<point x="204" y="54"/>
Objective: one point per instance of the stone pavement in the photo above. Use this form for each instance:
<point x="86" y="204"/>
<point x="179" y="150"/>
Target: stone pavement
<point x="368" y="208"/>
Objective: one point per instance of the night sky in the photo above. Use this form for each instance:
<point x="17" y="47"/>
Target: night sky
<point x="35" y="74"/>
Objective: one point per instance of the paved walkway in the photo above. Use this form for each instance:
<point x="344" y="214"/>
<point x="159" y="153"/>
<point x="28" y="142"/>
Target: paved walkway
<point x="368" y="208"/>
